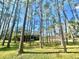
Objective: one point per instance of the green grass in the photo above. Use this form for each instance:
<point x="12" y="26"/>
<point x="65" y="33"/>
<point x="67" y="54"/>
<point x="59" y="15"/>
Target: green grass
<point x="13" y="55"/>
<point x="34" y="52"/>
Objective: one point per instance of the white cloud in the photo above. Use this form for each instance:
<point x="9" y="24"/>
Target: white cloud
<point x="77" y="7"/>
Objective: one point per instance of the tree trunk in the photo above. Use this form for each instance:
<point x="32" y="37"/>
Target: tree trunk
<point x="62" y="34"/>
<point x="8" y="26"/>
<point x="13" y="24"/>
<point x="23" y="30"/>
<point x="2" y="12"/>
<point x="41" y="23"/>
<point x="65" y="26"/>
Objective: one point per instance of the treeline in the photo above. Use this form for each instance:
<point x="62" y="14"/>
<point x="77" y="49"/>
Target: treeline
<point x="40" y="19"/>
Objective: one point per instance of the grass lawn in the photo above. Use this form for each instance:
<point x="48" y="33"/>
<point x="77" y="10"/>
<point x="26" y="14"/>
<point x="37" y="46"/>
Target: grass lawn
<point x="34" y="52"/>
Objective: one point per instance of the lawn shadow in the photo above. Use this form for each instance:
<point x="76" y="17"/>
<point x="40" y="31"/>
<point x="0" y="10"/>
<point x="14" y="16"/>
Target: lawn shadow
<point x="13" y="47"/>
<point x="71" y="43"/>
<point x="68" y="48"/>
<point x="46" y="52"/>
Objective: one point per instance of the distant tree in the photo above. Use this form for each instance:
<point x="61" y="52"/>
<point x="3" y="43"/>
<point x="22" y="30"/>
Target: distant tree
<point x="61" y="28"/>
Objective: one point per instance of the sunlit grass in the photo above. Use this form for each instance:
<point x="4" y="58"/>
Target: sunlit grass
<point x="35" y="52"/>
<point x="12" y="55"/>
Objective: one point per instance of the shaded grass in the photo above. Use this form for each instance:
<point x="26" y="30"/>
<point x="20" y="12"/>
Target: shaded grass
<point x="13" y="46"/>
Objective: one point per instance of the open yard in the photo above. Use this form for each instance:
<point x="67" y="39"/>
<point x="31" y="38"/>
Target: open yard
<point x="33" y="52"/>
